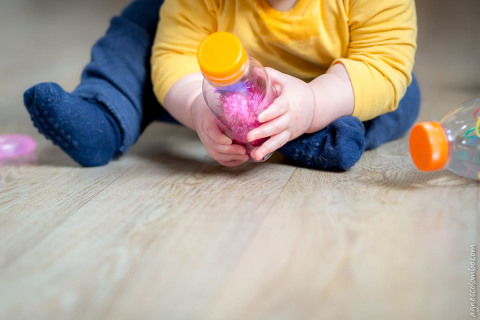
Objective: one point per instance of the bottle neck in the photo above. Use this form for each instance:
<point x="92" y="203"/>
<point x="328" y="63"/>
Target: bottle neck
<point x="228" y="81"/>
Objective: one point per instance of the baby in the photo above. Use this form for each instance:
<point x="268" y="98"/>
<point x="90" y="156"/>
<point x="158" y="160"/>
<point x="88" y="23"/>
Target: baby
<point x="343" y="71"/>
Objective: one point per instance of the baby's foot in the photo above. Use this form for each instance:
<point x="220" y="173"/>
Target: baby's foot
<point x="84" y="129"/>
<point x="337" y="147"/>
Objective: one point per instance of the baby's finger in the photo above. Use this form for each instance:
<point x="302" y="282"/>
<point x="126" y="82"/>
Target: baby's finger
<point x="276" y="109"/>
<point x="225" y="157"/>
<point x="275" y="142"/>
<point x="229" y="149"/>
<point x="269" y="129"/>
<point x="217" y="135"/>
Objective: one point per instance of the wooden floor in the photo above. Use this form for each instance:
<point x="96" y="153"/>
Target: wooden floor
<point x="166" y="233"/>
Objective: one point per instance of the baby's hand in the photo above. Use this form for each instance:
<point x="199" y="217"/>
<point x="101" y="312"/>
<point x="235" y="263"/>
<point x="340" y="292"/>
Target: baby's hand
<point x="218" y="145"/>
<point x="288" y="117"/>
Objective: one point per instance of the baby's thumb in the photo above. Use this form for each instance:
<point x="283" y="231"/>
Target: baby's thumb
<point x="274" y="74"/>
<point x="276" y="78"/>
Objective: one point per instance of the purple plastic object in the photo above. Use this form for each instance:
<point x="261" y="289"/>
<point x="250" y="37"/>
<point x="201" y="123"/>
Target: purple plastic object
<point x="15" y="145"/>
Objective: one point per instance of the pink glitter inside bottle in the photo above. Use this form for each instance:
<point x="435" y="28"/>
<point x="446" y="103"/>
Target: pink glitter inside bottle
<point x="236" y="87"/>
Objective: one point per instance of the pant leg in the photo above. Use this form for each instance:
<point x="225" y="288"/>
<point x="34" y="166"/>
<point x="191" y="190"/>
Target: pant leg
<point x="118" y="75"/>
<point x="393" y="125"/>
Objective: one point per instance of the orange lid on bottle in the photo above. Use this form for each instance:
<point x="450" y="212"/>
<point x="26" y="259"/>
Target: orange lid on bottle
<point x="429" y="146"/>
<point x="222" y="57"/>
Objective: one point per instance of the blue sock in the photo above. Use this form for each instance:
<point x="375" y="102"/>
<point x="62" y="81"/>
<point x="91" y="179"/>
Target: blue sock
<point x="84" y="129"/>
<point x="337" y="147"/>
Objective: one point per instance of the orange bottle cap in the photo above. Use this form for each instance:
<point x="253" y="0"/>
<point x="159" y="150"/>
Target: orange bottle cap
<point x="222" y="57"/>
<point x="429" y="146"/>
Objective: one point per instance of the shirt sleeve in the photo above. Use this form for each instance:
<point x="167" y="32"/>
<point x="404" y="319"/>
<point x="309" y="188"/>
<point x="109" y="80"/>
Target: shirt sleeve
<point x="182" y="26"/>
<point x="381" y="52"/>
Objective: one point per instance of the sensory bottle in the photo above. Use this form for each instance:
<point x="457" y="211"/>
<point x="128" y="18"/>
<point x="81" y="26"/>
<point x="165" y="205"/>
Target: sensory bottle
<point x="235" y="87"/>
<point x="453" y="143"/>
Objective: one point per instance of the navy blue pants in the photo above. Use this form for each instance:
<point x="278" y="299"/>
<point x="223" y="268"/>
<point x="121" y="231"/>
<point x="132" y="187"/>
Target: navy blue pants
<point x="117" y="80"/>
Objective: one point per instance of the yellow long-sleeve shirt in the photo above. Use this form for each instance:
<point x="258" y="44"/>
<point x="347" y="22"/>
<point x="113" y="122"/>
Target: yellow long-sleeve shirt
<point x="374" y="40"/>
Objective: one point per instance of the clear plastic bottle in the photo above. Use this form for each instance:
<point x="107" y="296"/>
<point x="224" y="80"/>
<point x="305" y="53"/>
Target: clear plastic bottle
<point x="453" y="143"/>
<point x="235" y="87"/>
